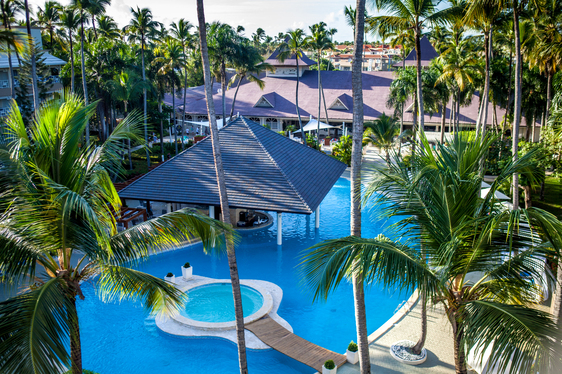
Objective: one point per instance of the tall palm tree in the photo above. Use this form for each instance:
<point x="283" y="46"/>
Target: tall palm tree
<point x="70" y="20"/>
<point x="82" y="7"/>
<point x="180" y="30"/>
<point x="414" y="15"/>
<point x="11" y="8"/>
<point x="292" y="46"/>
<point x="63" y="203"/>
<point x="126" y="87"/>
<point x="48" y="17"/>
<point x="223" y="195"/>
<point x="318" y="41"/>
<point x="402" y="88"/>
<point x="355" y="210"/>
<point x="248" y="64"/>
<point x="483" y="15"/>
<point x="381" y="133"/>
<point x="172" y="58"/>
<point x="34" y="87"/>
<point x="139" y="27"/>
<point x="482" y="260"/>
<point x="108" y="27"/>
<point x="95" y="9"/>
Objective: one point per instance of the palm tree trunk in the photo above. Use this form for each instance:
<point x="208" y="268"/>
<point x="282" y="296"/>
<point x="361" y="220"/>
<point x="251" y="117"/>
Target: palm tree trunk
<point x="517" y="105"/>
<point x="75" y="345"/>
<point x="509" y="88"/>
<point x="324" y="100"/>
<point x="421" y="342"/>
<point x="12" y="79"/>
<point x="419" y="81"/>
<point x="174" y="116"/>
<point x="128" y="140"/>
<point x="355" y="219"/>
<point x="84" y="84"/>
<point x="235" y="94"/>
<point x="401" y="128"/>
<point x="319" y="101"/>
<point x="184" y="98"/>
<point x="548" y="94"/>
<point x="94" y="27"/>
<point x="71" y="63"/>
<point x="297" y="101"/>
<point x="443" y="119"/>
<point x="556" y="304"/>
<point x="486" y="83"/>
<point x="161" y="128"/>
<point x="217" y="156"/>
<point x="144" y="103"/>
<point x="35" y="90"/>
<point x="460" y="359"/>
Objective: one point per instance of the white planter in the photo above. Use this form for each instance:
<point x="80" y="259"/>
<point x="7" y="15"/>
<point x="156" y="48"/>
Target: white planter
<point x="352" y="357"/>
<point x="171" y="279"/>
<point x="399" y="354"/>
<point x="187" y="273"/>
<point x="329" y="371"/>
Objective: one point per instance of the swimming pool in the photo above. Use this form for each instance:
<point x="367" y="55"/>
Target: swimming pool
<point x="213" y="302"/>
<point x="122" y="338"/>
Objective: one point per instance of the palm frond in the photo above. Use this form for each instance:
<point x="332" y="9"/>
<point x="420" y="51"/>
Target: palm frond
<point x="34" y="330"/>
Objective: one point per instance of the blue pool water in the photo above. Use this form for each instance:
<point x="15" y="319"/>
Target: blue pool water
<point x="122" y="338"/>
<point x="213" y="303"/>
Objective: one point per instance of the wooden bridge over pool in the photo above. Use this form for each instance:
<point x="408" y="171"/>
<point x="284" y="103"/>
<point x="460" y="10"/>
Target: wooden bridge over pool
<point x="284" y="341"/>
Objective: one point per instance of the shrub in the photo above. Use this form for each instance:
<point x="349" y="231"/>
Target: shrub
<point x="342" y="150"/>
<point x="329" y="365"/>
<point x="170" y="274"/>
<point x="187" y="265"/>
<point x="352" y="347"/>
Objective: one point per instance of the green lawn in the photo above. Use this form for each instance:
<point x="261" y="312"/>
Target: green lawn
<point x="552" y="197"/>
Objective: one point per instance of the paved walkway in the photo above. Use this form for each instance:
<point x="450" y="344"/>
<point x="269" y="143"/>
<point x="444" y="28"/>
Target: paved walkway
<point x="439" y="344"/>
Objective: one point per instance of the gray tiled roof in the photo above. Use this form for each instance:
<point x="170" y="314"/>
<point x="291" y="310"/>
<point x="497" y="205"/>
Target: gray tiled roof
<point x="264" y="170"/>
<point x="428" y="53"/>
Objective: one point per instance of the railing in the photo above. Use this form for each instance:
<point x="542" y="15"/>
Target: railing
<point x="5" y="84"/>
<point x="52" y="79"/>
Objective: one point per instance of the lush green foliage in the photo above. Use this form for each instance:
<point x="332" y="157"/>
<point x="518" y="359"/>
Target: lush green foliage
<point x="352" y="347"/>
<point x="342" y="149"/>
<point x="330" y="364"/>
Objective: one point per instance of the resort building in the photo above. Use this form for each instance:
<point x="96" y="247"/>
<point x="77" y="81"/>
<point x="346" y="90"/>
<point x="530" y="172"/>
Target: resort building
<point x="52" y="81"/>
<point x="375" y="57"/>
<point x="275" y="105"/>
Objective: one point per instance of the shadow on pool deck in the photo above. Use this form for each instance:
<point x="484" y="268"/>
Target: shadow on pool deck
<point x="439" y="344"/>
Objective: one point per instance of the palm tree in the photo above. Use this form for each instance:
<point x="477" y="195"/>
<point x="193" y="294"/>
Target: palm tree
<point x="483" y="15"/>
<point x="318" y="41"/>
<point x="11" y="8"/>
<point x="82" y="7"/>
<point x="414" y="15"/>
<point x="292" y="46"/>
<point x="381" y="133"/>
<point x="139" y="27"/>
<point x="63" y="203"/>
<point x="248" y="64"/>
<point x="95" y="9"/>
<point x="34" y="88"/>
<point x="181" y="31"/>
<point x="70" y="20"/>
<point x="402" y="88"/>
<point x="124" y="88"/>
<point x="223" y="195"/>
<point x="459" y="66"/>
<point x="49" y="17"/>
<point x="482" y="260"/>
<point x="108" y="27"/>
<point x="224" y="49"/>
<point x="172" y="58"/>
<point x="355" y="210"/>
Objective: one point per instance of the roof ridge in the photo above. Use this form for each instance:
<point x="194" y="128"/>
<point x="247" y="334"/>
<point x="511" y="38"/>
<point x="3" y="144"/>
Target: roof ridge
<point x="244" y="119"/>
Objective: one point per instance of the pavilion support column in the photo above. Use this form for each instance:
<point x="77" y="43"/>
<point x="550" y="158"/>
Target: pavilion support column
<point x="211" y="211"/>
<point x="317" y="218"/>
<point x="279" y="228"/>
<point x="169" y="207"/>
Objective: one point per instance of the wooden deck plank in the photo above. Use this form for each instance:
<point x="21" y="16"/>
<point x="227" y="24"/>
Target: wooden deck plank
<point x="284" y="341"/>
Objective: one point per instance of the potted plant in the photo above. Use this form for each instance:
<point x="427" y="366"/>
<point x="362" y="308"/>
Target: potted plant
<point x="187" y="271"/>
<point x="327" y="140"/>
<point x="351" y="353"/>
<point x="329" y="367"/>
<point x="170" y="278"/>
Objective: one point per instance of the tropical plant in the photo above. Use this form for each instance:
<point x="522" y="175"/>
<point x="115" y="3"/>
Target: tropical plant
<point x="108" y="28"/>
<point x="481" y="260"/>
<point x="58" y="201"/>
<point x="294" y="42"/>
<point x="96" y="8"/>
<point x="223" y="194"/>
<point x="318" y="41"/>
<point x="382" y="133"/>
<point x="342" y="150"/>
<point x="138" y="28"/>
<point x="48" y="17"/>
<point x="70" y="20"/>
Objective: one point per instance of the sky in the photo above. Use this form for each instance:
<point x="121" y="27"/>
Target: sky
<point x="273" y="16"/>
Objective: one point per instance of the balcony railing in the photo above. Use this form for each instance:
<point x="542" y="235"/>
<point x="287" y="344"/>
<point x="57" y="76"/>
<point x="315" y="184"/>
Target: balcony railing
<point x="52" y="79"/>
<point x="4" y="83"/>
